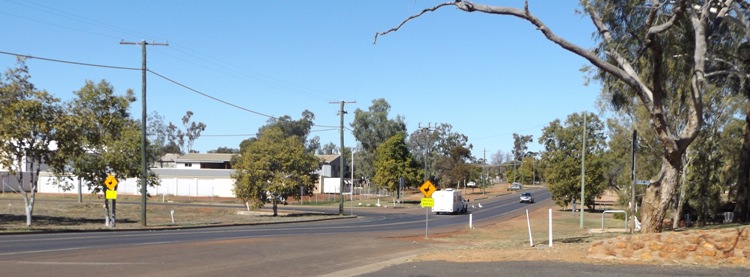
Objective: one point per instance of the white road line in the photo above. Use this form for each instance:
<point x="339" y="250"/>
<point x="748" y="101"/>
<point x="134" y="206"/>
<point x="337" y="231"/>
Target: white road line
<point x="42" y="251"/>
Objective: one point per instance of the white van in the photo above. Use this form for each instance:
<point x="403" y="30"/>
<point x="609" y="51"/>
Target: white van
<point x="449" y="201"/>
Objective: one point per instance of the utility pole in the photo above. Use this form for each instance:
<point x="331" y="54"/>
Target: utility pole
<point x="484" y="172"/>
<point x="144" y="165"/>
<point x="426" y="146"/>
<point x="341" y="155"/>
<point x="583" y="167"/>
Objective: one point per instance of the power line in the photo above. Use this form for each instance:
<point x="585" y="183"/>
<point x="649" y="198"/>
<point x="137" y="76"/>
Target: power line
<point x="69" y="62"/>
<point x="209" y="96"/>
<point x="135" y="68"/>
<point x="156" y="74"/>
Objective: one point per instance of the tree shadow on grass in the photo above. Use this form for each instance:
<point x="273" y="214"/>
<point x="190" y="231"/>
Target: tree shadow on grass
<point x="47" y="221"/>
<point x="582" y="239"/>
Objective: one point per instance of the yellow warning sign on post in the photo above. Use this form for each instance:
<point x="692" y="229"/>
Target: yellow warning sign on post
<point x="427" y="188"/>
<point x="111" y="194"/>
<point x="110" y="182"/>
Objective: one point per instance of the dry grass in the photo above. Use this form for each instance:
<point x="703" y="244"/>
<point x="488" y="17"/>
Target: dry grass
<point x="63" y="212"/>
<point x="509" y="240"/>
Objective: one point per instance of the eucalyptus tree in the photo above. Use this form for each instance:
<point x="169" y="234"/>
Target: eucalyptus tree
<point x="272" y="168"/>
<point x="520" y="146"/>
<point x="32" y="132"/>
<point x="157" y="132"/>
<point x="372" y="128"/>
<point x="435" y="148"/>
<point x="634" y="39"/>
<point x="185" y="139"/>
<point x="519" y="152"/>
<point x="299" y="128"/>
<point x="711" y="167"/>
<point x="456" y="167"/>
<point x="729" y="44"/>
<point x="328" y="149"/>
<point x="193" y="130"/>
<point x="563" y="143"/>
<point x="225" y="150"/>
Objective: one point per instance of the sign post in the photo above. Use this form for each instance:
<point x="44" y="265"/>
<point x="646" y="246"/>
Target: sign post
<point x="427" y="202"/>
<point x="111" y="194"/>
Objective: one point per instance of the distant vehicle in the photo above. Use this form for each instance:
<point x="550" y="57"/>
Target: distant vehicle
<point x="471" y="184"/>
<point x="449" y="201"/>
<point x="515" y="186"/>
<point x="527" y="197"/>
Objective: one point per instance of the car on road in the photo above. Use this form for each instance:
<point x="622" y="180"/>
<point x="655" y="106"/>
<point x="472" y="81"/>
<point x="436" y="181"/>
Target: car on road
<point x="515" y="186"/>
<point x="527" y="197"/>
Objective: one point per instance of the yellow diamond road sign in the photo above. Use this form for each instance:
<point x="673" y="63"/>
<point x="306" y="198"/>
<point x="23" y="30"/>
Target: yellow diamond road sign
<point x="427" y="188"/>
<point x="111" y="182"/>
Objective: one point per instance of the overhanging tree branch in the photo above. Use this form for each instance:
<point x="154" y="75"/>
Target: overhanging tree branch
<point x="375" y="41"/>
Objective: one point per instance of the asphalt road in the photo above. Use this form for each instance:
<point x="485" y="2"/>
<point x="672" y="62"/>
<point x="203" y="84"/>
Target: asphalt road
<point x="367" y="244"/>
<point x="388" y="220"/>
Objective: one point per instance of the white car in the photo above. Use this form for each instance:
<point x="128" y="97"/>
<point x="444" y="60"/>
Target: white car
<point x="527" y="197"/>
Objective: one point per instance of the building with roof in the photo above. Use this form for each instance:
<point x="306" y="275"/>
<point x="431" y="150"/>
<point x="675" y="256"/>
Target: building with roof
<point x="192" y="174"/>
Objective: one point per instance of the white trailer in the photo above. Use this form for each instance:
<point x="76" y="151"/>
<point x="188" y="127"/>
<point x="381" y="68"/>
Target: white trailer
<point x="449" y="201"/>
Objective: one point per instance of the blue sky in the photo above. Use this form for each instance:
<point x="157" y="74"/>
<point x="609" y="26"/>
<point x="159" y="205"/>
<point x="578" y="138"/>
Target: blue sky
<point x="488" y="76"/>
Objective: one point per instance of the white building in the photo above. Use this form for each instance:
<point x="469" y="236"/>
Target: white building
<point x="192" y="174"/>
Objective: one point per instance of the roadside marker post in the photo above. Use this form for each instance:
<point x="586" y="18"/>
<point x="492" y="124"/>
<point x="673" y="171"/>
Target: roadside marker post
<point x="528" y="223"/>
<point x="550" y="227"/>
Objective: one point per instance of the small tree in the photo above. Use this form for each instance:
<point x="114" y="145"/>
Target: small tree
<point x="392" y="161"/>
<point x="30" y="121"/>
<point x="272" y="167"/>
<point x="108" y="140"/>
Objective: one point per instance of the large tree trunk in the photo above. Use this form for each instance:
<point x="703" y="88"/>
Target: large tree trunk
<point x="743" y="185"/>
<point x="658" y="196"/>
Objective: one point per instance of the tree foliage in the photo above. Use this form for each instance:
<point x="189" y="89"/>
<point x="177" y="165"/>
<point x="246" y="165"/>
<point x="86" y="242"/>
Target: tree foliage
<point x="521" y="146"/>
<point x="108" y="140"/>
<point x="184" y="139"/>
<point x="170" y="138"/>
<point x="328" y="149"/>
<point x="225" y="150"/>
<point x="619" y="156"/>
<point x="299" y="128"/>
<point x="434" y="147"/>
<point x="456" y="168"/>
<point x="563" y="144"/>
<point x="272" y="168"/>
<point x="393" y="161"/>
<point x="372" y="128"/>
